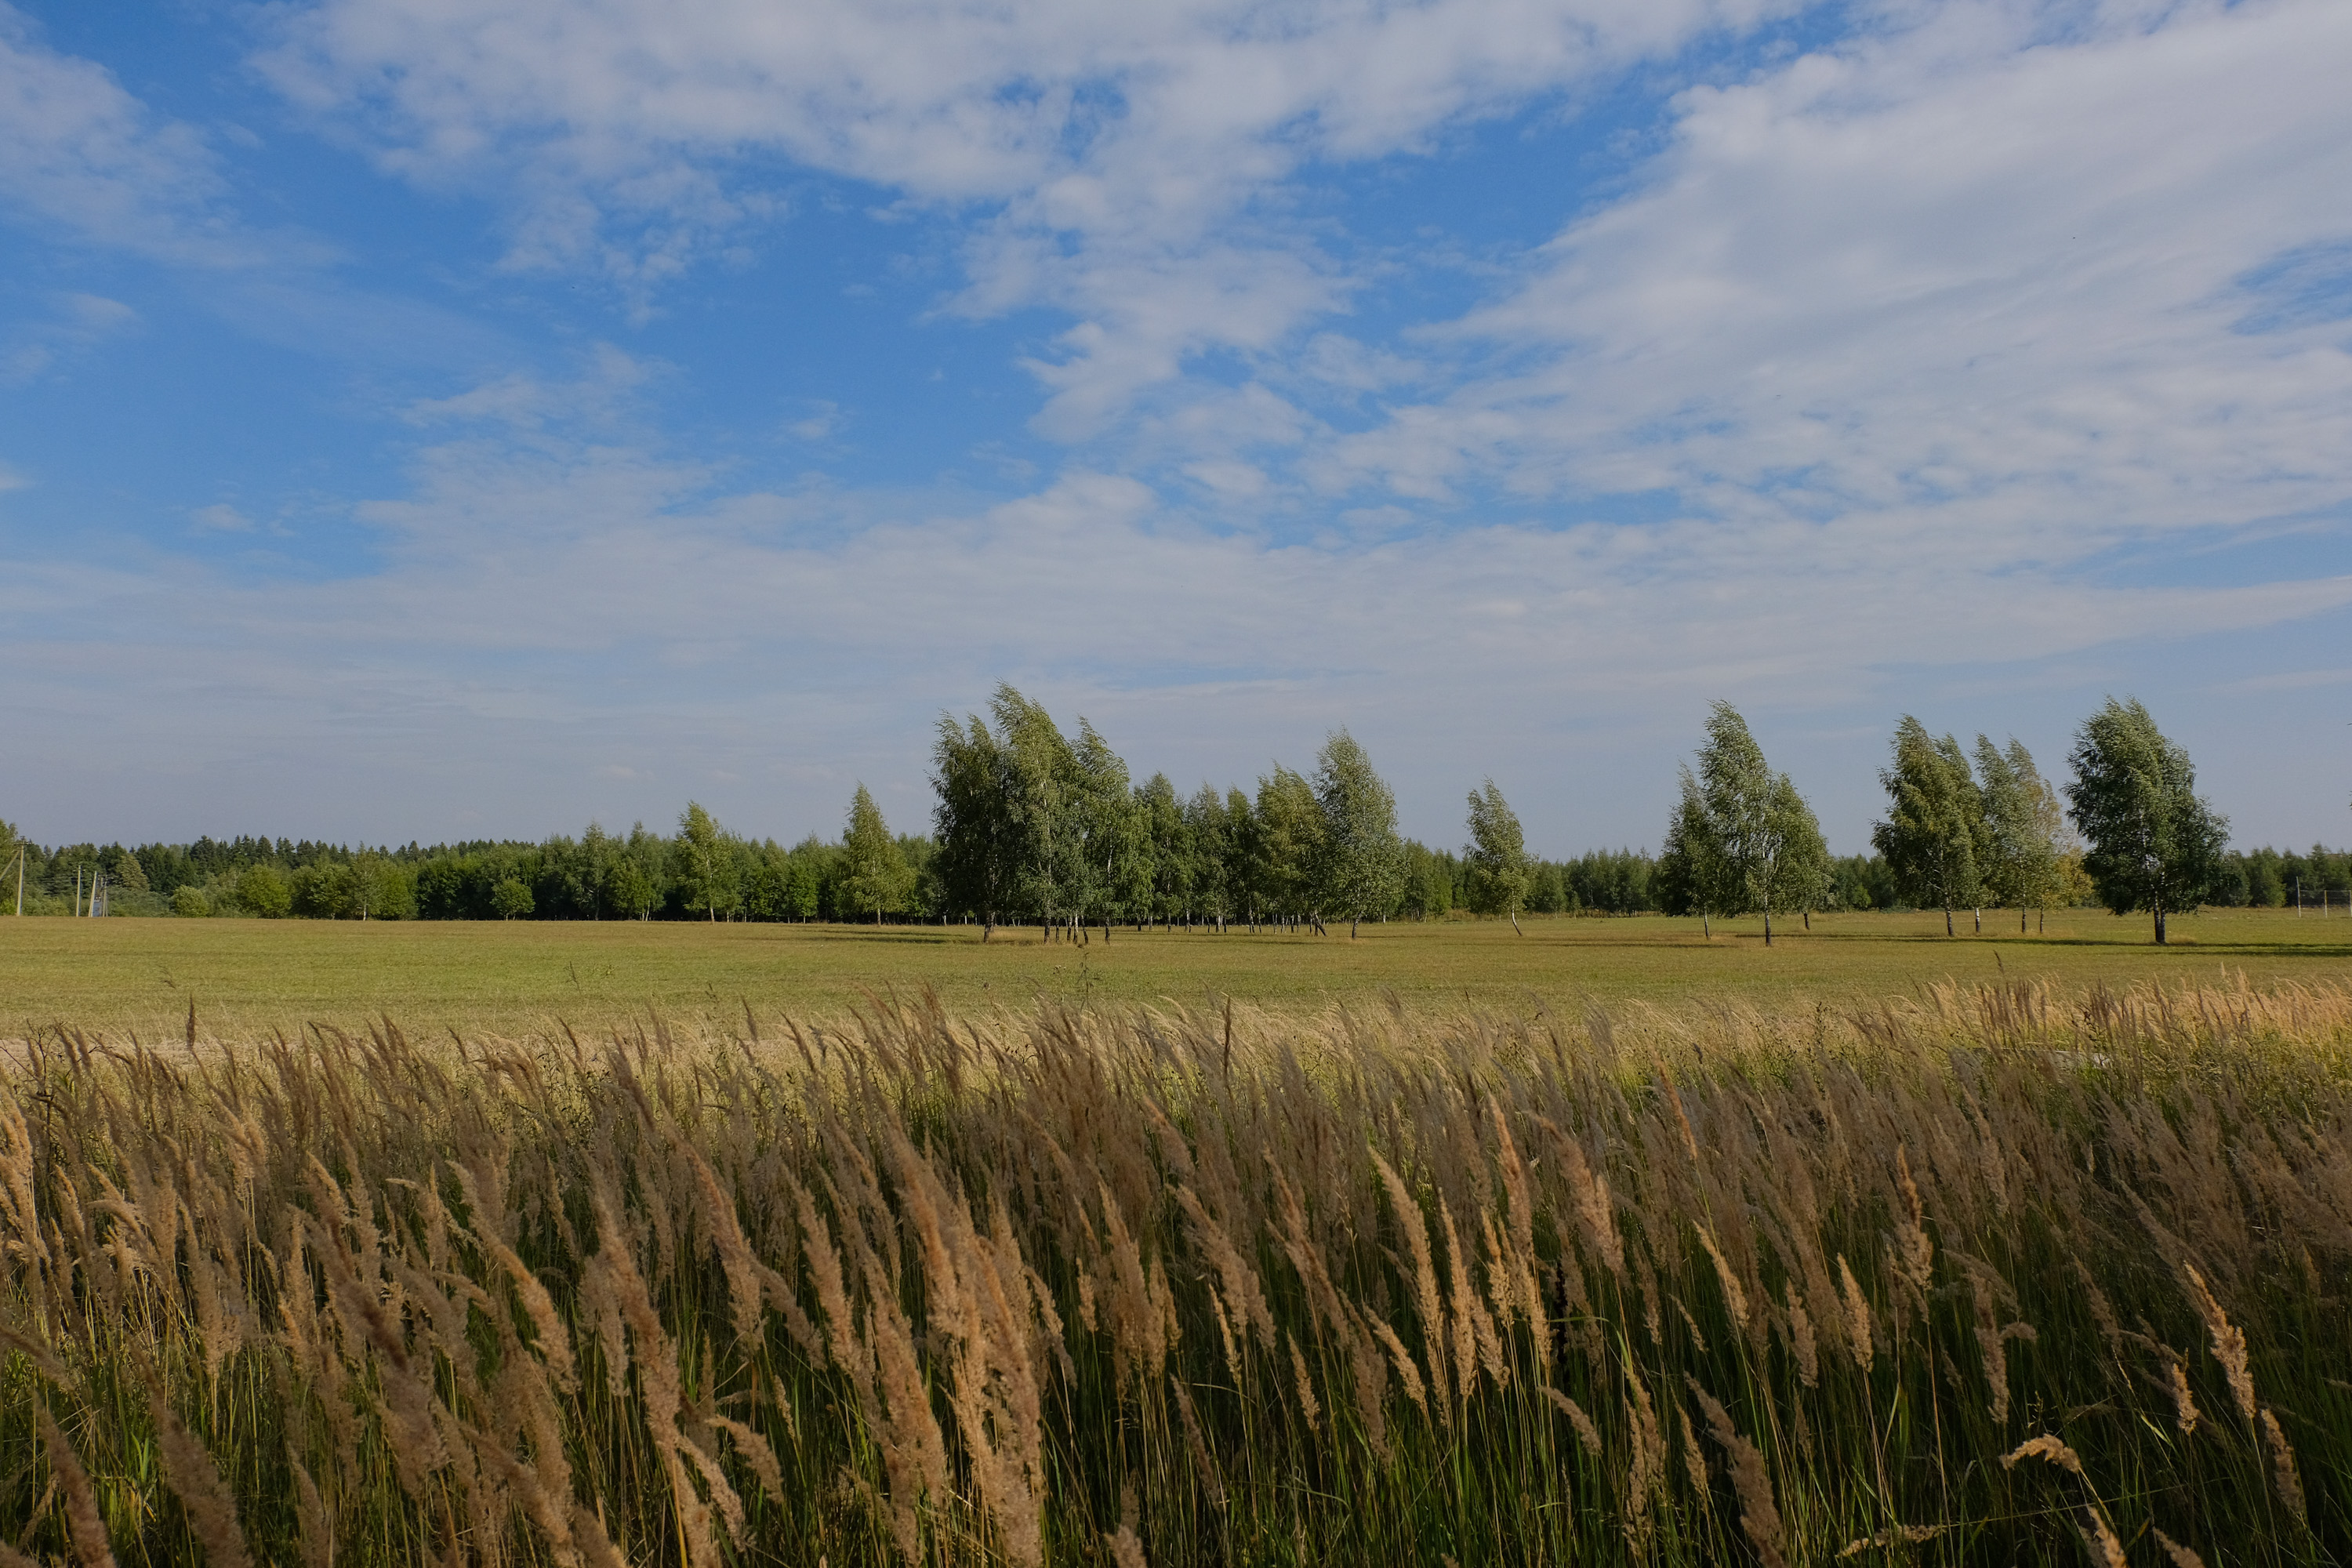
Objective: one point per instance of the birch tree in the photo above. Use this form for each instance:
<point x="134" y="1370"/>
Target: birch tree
<point x="2155" y="845"/>
<point x="1285" y="845"/>
<point x="1741" y="839"/>
<point x="2025" y="829"/>
<point x="1933" y="837"/>
<point x="874" y="871"/>
<point x="704" y="864"/>
<point x="977" y="861"/>
<point x="1497" y="855"/>
<point x="1363" y="857"/>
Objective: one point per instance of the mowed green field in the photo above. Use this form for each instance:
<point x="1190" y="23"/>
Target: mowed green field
<point x="522" y="978"/>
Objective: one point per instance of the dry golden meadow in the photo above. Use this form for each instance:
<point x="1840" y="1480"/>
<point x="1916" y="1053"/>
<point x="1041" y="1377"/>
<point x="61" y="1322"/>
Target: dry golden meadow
<point x="1807" y="1257"/>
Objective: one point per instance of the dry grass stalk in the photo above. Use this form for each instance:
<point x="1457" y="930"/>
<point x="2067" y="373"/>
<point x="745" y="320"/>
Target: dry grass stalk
<point x="1915" y="1253"/>
<point x="211" y="1512"/>
<point x="1409" y="1375"/>
<point x="1586" y="1432"/>
<point x="2229" y="1341"/>
<point x="1205" y="1464"/>
<point x="756" y="1450"/>
<point x="1735" y="1298"/>
<point x="1893" y="1535"/>
<point x="1857" y="1318"/>
<point x="1473" y="1327"/>
<point x="2046" y="1447"/>
<point x="1427" y="1303"/>
<point x="2184" y="1403"/>
<point x="1309" y="1410"/>
<point x="1520" y="1217"/>
<point x="1990" y="1346"/>
<point x="1800" y="1338"/>
<point x="2179" y="1556"/>
<point x="1589" y="1193"/>
<point x="1645" y="1474"/>
<point x="1126" y="1551"/>
<point x="2283" y="1470"/>
<point x="1240" y="1279"/>
<point x="2099" y="1539"/>
<point x="1759" y="1513"/>
<point x="85" y="1525"/>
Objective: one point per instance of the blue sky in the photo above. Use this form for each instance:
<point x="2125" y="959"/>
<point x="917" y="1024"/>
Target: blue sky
<point x="432" y="420"/>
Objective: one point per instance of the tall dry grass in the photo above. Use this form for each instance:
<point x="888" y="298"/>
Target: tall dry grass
<point x="1975" y="1276"/>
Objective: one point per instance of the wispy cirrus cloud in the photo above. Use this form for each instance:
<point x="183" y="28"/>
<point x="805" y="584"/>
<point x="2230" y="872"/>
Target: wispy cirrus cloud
<point x="80" y="154"/>
<point x="1112" y="162"/>
<point x="1987" y="286"/>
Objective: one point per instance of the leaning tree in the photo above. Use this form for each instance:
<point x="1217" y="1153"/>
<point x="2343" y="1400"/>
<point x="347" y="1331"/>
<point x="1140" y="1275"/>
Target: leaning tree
<point x="2155" y="845"/>
<point x="1934" y="837"/>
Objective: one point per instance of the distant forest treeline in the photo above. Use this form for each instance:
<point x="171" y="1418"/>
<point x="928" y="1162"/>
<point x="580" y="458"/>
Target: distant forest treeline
<point x="646" y="875"/>
<point x="1033" y="824"/>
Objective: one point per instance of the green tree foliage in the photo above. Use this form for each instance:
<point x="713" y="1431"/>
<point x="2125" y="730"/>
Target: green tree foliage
<point x="1691" y="878"/>
<point x="2025" y="829"/>
<point x="2154" y="844"/>
<point x="1012" y="828"/>
<point x="267" y="891"/>
<point x="1169" y="851"/>
<point x="1861" y="882"/>
<point x="706" y="863"/>
<point x="1741" y="839"/>
<point x="979" y="848"/>
<point x="1429" y="878"/>
<point x="1112" y="861"/>
<point x="813" y="866"/>
<point x="1611" y="881"/>
<point x="368" y="886"/>
<point x="1362" y="859"/>
<point x="1207" y="844"/>
<point x="630" y="889"/>
<point x="874" y="876"/>
<point x="1031" y="823"/>
<point x="1285" y="847"/>
<point x="638" y="881"/>
<point x="1805" y="879"/>
<point x="1934" y="837"/>
<point x="1042" y="778"/>
<point x="1496" y="855"/>
<point x="2273" y="878"/>
<point x="511" y="899"/>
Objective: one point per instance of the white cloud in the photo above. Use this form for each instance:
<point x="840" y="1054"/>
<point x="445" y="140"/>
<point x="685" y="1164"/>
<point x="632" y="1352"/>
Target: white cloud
<point x="547" y="607"/>
<point x="1112" y="152"/>
<point x="821" y="422"/>
<point x="221" y="517"/>
<point x="1979" y="285"/>
<point x="79" y="153"/>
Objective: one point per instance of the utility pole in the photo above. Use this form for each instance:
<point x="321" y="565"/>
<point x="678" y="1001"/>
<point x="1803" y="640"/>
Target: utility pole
<point x="20" y="881"/>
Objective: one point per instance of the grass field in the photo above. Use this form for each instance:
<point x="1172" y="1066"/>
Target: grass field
<point x="247" y="976"/>
<point x="1973" y="1274"/>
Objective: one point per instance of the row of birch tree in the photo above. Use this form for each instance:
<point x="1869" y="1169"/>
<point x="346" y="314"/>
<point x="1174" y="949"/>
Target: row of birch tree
<point x="1034" y="825"/>
<point x="1960" y="832"/>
